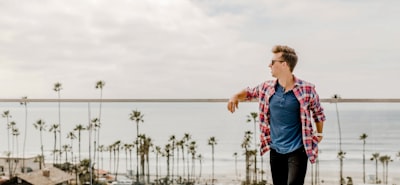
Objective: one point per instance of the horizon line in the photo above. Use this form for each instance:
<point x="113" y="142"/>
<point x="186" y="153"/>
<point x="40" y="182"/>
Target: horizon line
<point x="188" y="100"/>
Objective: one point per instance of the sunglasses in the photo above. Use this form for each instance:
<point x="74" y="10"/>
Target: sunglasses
<point x="273" y="61"/>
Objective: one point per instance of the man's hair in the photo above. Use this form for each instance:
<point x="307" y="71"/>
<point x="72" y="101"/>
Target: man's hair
<point x="288" y="55"/>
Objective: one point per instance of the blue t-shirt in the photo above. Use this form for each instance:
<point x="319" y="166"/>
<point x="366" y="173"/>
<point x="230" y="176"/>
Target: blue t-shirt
<point x="285" y="121"/>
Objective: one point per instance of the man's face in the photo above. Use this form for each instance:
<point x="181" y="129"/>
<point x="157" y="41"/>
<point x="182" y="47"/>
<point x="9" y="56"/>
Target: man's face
<point x="276" y="64"/>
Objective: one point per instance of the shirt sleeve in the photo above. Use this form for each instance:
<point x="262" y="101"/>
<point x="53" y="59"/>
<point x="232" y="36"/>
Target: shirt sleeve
<point x="253" y="93"/>
<point x="316" y="108"/>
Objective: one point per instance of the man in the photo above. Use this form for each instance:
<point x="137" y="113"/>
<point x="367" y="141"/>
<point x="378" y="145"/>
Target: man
<point x="287" y="107"/>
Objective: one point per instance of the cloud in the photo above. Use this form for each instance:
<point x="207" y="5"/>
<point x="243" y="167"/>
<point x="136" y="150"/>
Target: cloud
<point x="187" y="49"/>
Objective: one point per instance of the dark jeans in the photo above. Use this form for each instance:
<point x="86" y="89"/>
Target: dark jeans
<point x="288" y="169"/>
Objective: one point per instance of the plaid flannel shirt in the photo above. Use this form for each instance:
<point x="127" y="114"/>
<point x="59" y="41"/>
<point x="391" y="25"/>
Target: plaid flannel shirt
<point x="309" y="103"/>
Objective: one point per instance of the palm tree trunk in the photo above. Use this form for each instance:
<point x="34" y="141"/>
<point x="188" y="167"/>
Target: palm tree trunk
<point x="156" y="167"/>
<point x="137" y="151"/>
<point x="25" y="134"/>
<point x="212" y="180"/>
<point x="79" y="141"/>
<point x="364" y="162"/>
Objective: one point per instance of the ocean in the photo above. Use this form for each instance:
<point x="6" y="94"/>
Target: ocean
<point x="380" y="121"/>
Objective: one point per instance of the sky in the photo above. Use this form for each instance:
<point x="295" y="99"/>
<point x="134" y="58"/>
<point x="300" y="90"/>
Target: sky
<point x="195" y="48"/>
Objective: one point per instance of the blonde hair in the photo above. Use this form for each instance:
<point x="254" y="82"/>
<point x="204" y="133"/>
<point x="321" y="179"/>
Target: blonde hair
<point x="288" y="55"/>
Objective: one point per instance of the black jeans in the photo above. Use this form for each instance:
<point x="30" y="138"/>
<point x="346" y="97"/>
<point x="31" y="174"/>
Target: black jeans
<point x="288" y="169"/>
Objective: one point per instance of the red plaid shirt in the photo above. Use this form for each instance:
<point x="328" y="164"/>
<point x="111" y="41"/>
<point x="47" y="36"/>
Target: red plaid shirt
<point x="309" y="103"/>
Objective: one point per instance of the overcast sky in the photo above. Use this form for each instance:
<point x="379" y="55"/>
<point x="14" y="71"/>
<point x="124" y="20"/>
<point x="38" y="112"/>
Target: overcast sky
<point x="195" y="48"/>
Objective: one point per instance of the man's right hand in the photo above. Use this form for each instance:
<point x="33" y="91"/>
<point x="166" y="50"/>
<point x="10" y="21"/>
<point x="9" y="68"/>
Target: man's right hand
<point x="233" y="104"/>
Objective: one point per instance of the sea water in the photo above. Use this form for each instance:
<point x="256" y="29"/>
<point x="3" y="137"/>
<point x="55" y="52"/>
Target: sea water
<point x="380" y="121"/>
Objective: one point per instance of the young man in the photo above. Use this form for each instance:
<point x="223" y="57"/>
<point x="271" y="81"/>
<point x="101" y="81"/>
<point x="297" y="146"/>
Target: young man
<point x="287" y="107"/>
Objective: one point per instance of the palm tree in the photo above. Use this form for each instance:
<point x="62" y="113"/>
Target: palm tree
<point x="335" y="99"/>
<point x="375" y="156"/>
<point x="11" y="126"/>
<point x="158" y="152"/>
<point x="167" y="153"/>
<point x="110" y="148"/>
<point x="200" y="157"/>
<point x="363" y="137"/>
<point x="24" y="103"/>
<point x="117" y="147"/>
<point x="126" y="147"/>
<point x="236" y="155"/>
<point x="101" y="150"/>
<point x="246" y="145"/>
<point x="96" y="127"/>
<point x="253" y="118"/>
<point x="79" y="128"/>
<point x="66" y="149"/>
<point x="57" y="88"/>
<point x="15" y="133"/>
<point x="385" y="163"/>
<point x="146" y="144"/>
<point x="179" y="144"/>
<point x="90" y="127"/>
<point x="99" y="85"/>
<point x="137" y="116"/>
<point x="185" y="140"/>
<point x="6" y="114"/>
<point x="41" y="126"/>
<point x="54" y="128"/>
<point x="71" y="136"/>
<point x="172" y="139"/>
<point x="212" y="142"/>
<point x="192" y="150"/>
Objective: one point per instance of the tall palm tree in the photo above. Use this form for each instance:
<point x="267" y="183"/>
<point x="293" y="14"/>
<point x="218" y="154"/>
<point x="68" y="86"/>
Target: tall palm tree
<point x="41" y="126"/>
<point x="57" y="88"/>
<point x="212" y="142"/>
<point x="375" y="157"/>
<point x="137" y="117"/>
<point x="99" y="85"/>
<point x="96" y="128"/>
<point x="79" y="128"/>
<point x="6" y="114"/>
<point x="253" y="118"/>
<point x="55" y="129"/>
<point x="246" y="145"/>
<point x="24" y="103"/>
<point x="363" y="137"/>
<point x="335" y="99"/>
